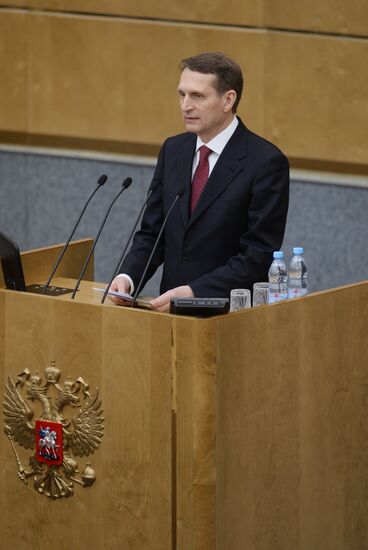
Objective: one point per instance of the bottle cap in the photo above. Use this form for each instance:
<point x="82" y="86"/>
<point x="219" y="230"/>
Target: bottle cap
<point x="278" y="254"/>
<point x="298" y="250"/>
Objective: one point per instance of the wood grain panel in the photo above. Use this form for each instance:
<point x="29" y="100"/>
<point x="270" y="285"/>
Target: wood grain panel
<point x="195" y="433"/>
<point x="9" y="4"/>
<point x="114" y="81"/>
<point x="245" y="12"/>
<point x="127" y="355"/>
<point x="38" y="263"/>
<point x="292" y="447"/>
<point x="126" y="89"/>
<point x="13" y="71"/>
<point x="316" y="97"/>
<point x="247" y="429"/>
<point x="94" y="93"/>
<point x="335" y="16"/>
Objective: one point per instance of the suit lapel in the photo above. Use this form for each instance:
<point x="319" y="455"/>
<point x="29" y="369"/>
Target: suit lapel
<point x="229" y="164"/>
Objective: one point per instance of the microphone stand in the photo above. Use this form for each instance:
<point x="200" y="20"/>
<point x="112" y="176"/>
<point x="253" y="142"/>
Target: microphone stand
<point x="177" y="197"/>
<point x="126" y="183"/>
<point x="152" y="188"/>
<point x="101" y="181"/>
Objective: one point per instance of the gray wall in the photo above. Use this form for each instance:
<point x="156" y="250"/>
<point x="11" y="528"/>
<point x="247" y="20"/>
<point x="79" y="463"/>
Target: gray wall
<point x="41" y="196"/>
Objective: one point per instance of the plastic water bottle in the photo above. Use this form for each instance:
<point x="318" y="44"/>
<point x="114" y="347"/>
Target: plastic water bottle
<point x="277" y="277"/>
<point x="297" y="280"/>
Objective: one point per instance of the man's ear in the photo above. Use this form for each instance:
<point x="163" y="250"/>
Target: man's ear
<point x="230" y="98"/>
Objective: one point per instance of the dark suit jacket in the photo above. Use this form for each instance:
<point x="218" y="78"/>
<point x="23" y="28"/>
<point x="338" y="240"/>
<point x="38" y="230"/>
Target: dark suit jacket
<point x="238" y="222"/>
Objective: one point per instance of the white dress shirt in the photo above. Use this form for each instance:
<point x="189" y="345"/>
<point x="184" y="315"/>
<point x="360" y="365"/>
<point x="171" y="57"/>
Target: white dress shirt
<point x="216" y="144"/>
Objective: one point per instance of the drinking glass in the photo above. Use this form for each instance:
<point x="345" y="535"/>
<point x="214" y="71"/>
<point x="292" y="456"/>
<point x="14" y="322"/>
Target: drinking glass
<point x="239" y="299"/>
<point x="260" y="294"/>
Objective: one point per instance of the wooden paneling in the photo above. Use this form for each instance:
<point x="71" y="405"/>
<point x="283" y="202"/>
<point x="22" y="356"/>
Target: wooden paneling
<point x="292" y="447"/>
<point x="242" y="431"/>
<point x="335" y="16"/>
<point x="244" y="12"/>
<point x="17" y="4"/>
<point x="113" y="80"/>
<point x="127" y="356"/>
<point x="37" y="264"/>
<point x="316" y="97"/>
<point x="195" y="407"/>
<point x="13" y="71"/>
<point x="93" y="77"/>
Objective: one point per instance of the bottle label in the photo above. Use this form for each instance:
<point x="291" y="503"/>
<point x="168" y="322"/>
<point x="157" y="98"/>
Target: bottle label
<point x="297" y="292"/>
<point x="276" y="297"/>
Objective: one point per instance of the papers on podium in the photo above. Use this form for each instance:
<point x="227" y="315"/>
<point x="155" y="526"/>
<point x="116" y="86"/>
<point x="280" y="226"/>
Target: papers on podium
<point x="141" y="302"/>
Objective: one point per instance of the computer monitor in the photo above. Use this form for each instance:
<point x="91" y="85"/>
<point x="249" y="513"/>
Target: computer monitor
<point x="11" y="263"/>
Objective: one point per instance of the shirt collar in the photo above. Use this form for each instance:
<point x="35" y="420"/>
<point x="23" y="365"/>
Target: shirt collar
<point x="217" y="144"/>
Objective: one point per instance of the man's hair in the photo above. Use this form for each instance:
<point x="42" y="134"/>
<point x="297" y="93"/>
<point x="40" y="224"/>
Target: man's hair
<point x="228" y="73"/>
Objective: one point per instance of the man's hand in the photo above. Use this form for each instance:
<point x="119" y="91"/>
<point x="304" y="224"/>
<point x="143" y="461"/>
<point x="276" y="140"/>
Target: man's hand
<point x="120" y="284"/>
<point x="162" y="303"/>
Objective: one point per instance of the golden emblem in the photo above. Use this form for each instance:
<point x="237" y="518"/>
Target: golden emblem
<point x="81" y="435"/>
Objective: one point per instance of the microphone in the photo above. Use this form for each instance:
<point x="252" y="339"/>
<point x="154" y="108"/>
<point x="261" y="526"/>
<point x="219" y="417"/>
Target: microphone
<point x="179" y="194"/>
<point x="126" y="183"/>
<point x="152" y="188"/>
<point x="100" y="182"/>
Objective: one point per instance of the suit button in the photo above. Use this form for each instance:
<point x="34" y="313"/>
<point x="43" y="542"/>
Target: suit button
<point x="185" y="260"/>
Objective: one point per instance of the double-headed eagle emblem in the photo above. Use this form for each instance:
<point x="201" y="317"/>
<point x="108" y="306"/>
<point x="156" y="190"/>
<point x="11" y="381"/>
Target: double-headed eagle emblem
<point x="54" y="439"/>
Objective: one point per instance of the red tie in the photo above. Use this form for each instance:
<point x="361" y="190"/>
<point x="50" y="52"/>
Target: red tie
<point x="200" y="176"/>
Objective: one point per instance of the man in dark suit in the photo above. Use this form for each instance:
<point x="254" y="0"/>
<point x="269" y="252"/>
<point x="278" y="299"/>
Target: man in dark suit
<point x="223" y="230"/>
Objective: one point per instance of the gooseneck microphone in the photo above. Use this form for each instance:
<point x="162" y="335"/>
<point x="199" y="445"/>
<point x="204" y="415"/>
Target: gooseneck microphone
<point x="100" y="182"/>
<point x="152" y="188"/>
<point x="126" y="183"/>
<point x="179" y="194"/>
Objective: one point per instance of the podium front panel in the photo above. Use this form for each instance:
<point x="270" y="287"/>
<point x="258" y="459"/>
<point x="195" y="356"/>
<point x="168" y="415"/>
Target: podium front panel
<point x="127" y="356"/>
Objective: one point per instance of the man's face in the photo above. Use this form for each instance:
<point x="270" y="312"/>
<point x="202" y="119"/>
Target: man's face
<point x="206" y="112"/>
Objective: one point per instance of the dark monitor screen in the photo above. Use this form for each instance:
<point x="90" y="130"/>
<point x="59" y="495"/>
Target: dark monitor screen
<point x="11" y="263"/>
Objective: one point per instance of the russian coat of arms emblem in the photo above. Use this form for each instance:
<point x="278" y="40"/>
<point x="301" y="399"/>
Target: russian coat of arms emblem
<point x="56" y="440"/>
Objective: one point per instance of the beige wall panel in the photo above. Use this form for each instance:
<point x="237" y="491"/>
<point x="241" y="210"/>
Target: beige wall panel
<point x="116" y="80"/>
<point x="13" y="71"/>
<point x="337" y="16"/>
<point x="316" y="97"/>
<point x="17" y="3"/>
<point x="240" y="12"/>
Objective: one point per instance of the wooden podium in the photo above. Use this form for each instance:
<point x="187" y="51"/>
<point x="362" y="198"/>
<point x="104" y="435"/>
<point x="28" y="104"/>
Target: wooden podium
<point x="247" y="431"/>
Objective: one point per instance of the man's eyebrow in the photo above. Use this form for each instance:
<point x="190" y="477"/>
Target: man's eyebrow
<point x="189" y="92"/>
